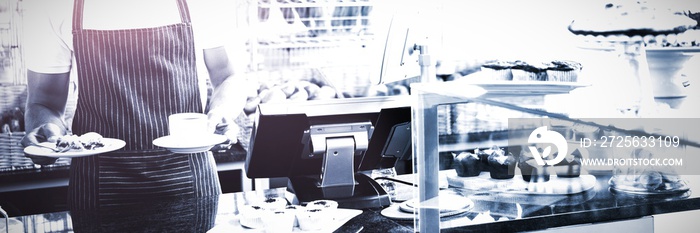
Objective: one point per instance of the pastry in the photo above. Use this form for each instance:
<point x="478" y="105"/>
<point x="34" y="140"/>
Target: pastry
<point x="280" y="220"/>
<point x="324" y="204"/>
<point x="498" y="70"/>
<point x="502" y="164"/>
<point x="467" y="164"/>
<point x="571" y="165"/>
<point x="273" y="203"/>
<point x="312" y="219"/>
<point x="251" y="216"/>
<point x="87" y="141"/>
<point x="295" y="209"/>
<point x="631" y="20"/>
<point x="484" y="158"/>
<point x="531" y="171"/>
<point x="534" y="71"/>
<point x="563" y="71"/>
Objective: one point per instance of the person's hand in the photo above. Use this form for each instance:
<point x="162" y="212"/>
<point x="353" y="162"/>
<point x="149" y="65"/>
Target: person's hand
<point x="45" y="133"/>
<point x="220" y="123"/>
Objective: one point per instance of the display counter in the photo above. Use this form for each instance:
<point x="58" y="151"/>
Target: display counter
<point x="491" y="213"/>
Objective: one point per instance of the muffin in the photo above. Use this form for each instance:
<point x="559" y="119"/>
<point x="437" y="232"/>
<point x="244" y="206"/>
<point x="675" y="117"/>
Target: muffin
<point x="295" y="209"/>
<point x="467" y="164"/>
<point x="273" y="203"/>
<point x="312" y="219"/>
<point x="571" y="165"/>
<point x="484" y="159"/>
<point x="532" y="172"/>
<point x="502" y="164"/>
<point x="524" y="71"/>
<point x="280" y="220"/>
<point x="497" y="70"/>
<point x="251" y="216"/>
<point x="323" y="204"/>
<point x="563" y="71"/>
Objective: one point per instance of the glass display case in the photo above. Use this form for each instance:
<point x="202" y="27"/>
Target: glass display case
<point x="626" y="145"/>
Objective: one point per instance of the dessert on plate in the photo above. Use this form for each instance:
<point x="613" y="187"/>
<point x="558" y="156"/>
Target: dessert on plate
<point x="631" y="21"/>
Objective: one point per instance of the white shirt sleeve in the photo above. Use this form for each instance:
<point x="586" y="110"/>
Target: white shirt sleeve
<point x="47" y="38"/>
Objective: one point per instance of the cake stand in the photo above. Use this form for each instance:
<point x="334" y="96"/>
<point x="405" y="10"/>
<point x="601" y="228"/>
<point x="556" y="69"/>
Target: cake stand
<point x="637" y="92"/>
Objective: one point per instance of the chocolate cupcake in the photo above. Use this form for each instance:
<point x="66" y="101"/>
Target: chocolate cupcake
<point x="467" y="164"/>
<point x="563" y="71"/>
<point x="502" y="164"/>
<point x="498" y="70"/>
<point x="524" y="71"/>
<point x="484" y="159"/>
<point x="533" y="172"/>
<point x="571" y="165"/>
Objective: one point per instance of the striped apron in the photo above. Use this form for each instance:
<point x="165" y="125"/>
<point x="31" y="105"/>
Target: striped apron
<point x="130" y="81"/>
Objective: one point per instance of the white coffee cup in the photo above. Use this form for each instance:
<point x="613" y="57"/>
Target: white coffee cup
<point x="188" y="124"/>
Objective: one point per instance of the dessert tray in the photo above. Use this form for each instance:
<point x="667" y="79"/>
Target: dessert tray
<point x="189" y="144"/>
<point x="449" y="204"/>
<point x="110" y="144"/>
<point x="516" y="185"/>
<point x="340" y="217"/>
<point x="504" y="87"/>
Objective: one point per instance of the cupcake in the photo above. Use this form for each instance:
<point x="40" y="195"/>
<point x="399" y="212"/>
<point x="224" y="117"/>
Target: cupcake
<point x="523" y="71"/>
<point x="273" y="203"/>
<point x="533" y="172"/>
<point x="563" y="71"/>
<point x="571" y="165"/>
<point x="251" y="216"/>
<point x="497" y="70"/>
<point x="280" y="220"/>
<point x="484" y="159"/>
<point x="312" y="219"/>
<point x="467" y="164"/>
<point x="295" y="209"/>
<point x="323" y="204"/>
<point x="502" y="164"/>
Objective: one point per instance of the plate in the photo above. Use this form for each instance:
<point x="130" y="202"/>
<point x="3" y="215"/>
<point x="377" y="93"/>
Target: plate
<point x="111" y="144"/>
<point x="673" y="188"/>
<point x="404" y="210"/>
<point x="503" y="87"/>
<point x="189" y="144"/>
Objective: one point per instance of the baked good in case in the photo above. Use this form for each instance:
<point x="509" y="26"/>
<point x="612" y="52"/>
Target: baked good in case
<point x="525" y="71"/>
<point x="530" y="170"/>
<point x="467" y="164"/>
<point x="571" y="165"/>
<point x="498" y="70"/>
<point x="563" y="71"/>
<point x="502" y="164"/>
<point x="631" y="20"/>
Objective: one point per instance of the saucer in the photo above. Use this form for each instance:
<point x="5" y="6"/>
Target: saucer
<point x="189" y="144"/>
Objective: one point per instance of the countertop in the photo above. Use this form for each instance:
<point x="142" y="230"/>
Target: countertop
<point x="514" y="213"/>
